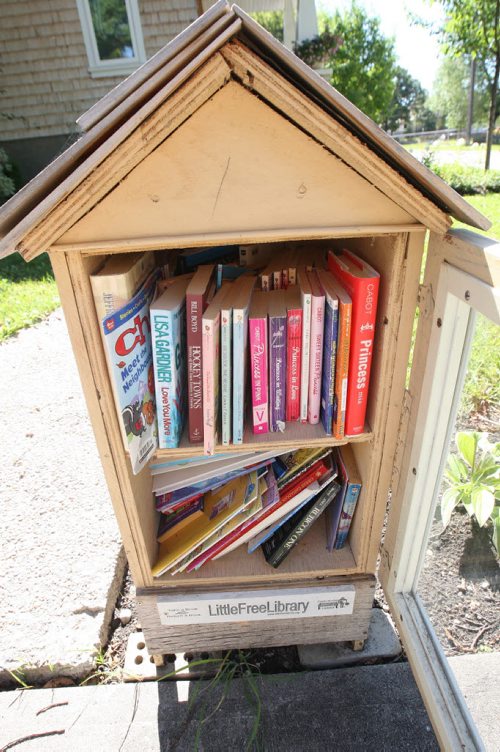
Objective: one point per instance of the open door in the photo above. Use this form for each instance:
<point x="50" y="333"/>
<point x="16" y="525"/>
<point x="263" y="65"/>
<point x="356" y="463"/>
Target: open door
<point x="462" y="279"/>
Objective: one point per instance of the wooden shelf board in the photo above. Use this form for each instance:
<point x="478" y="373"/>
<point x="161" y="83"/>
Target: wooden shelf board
<point x="308" y="560"/>
<point x="295" y="435"/>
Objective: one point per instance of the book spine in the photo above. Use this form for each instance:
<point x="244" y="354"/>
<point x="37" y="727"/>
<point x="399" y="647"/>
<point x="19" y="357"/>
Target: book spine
<point x="306" y="354"/>
<point x="259" y="376"/>
<point x="364" y="294"/>
<point x="329" y="356"/>
<point x="266" y="281"/>
<point x="277" y="372"/>
<point x="239" y="373"/>
<point x="194" y="313"/>
<point x="276" y="555"/>
<point x="211" y="333"/>
<point x="168" y="384"/>
<point x="342" y="370"/>
<point x="292" y="275"/>
<point x="294" y="361"/>
<point x="350" y="501"/>
<point x="304" y="480"/>
<point x="316" y="358"/>
<point x="277" y="278"/>
<point x="226" y="374"/>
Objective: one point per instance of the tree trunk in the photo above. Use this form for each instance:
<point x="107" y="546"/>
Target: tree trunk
<point x="470" y="108"/>
<point x="492" y="116"/>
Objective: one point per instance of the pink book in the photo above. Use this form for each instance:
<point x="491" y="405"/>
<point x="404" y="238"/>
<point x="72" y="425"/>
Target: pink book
<point x="257" y="332"/>
<point x="316" y="352"/>
<point x="211" y="368"/>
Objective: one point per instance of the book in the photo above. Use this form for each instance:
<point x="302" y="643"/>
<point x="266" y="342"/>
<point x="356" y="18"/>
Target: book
<point x="334" y="287"/>
<point x="258" y="356"/>
<point x="316" y="355"/>
<point x="168" y="336"/>
<point x="218" y="508"/>
<point x="228" y="273"/>
<point x="173" y="523"/>
<point x="332" y="516"/>
<point x="298" y="461"/>
<point x="330" y="337"/>
<point x="240" y="355"/>
<point x="293" y="353"/>
<point x="116" y="283"/>
<point x="305" y="300"/>
<point x="278" y="547"/>
<point x="126" y="337"/>
<point x="226" y="363"/>
<point x="199" y="293"/>
<point x="361" y="282"/>
<point x="255" y="256"/>
<point x="353" y="481"/>
<point x="211" y="369"/>
<point x="190" y="258"/>
<point x="277" y="315"/>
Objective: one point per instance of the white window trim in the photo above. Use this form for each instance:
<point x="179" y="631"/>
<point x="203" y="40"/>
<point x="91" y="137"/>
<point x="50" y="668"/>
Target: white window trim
<point x="123" y="66"/>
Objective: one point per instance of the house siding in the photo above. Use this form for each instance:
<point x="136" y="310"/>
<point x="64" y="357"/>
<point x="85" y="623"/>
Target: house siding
<point x="44" y="76"/>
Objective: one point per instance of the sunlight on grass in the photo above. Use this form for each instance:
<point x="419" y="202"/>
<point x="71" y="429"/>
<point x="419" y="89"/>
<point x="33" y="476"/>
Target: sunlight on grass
<point x="28" y="293"/>
<point x="488" y="205"/>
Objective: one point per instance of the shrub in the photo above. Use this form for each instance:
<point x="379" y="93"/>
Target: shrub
<point x="468" y="180"/>
<point x="7" y="185"/>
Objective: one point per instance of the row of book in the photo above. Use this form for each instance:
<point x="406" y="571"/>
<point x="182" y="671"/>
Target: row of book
<point x="263" y="501"/>
<point x="222" y="345"/>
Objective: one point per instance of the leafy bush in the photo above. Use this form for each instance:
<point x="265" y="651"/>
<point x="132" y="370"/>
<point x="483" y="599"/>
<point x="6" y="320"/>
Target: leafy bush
<point x="466" y="180"/>
<point x="7" y="185"/>
<point x="473" y="478"/>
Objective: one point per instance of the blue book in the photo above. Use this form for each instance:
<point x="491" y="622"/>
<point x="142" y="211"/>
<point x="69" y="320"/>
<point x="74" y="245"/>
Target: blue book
<point x="329" y="358"/>
<point x="228" y="272"/>
<point x="353" y="482"/>
<point x="168" y="334"/>
<point x="193" y="257"/>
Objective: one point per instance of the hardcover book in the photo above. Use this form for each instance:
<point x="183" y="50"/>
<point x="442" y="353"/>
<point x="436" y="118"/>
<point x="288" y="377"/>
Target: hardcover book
<point x="258" y="351"/>
<point x="277" y="314"/>
<point x="293" y="353"/>
<point x="329" y="354"/>
<point x="332" y="516"/>
<point x="127" y="344"/>
<point x="316" y="357"/>
<point x="305" y="300"/>
<point x="240" y="355"/>
<point x="168" y="333"/>
<point x="334" y="287"/>
<point x="116" y="283"/>
<point x="211" y="369"/>
<point x="199" y="293"/>
<point x="353" y="482"/>
<point x="226" y="364"/>
<point x="361" y="282"/>
<point x="277" y="548"/>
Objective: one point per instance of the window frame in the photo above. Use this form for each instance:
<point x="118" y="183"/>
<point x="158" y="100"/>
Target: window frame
<point x="99" y="68"/>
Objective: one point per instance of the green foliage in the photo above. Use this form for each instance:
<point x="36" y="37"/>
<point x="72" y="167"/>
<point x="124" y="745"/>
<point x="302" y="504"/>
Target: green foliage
<point x="449" y="99"/>
<point x="7" y="185"/>
<point x="112" y="30"/>
<point x="408" y="104"/>
<point x="488" y="205"/>
<point x="473" y="479"/>
<point x="28" y="293"/>
<point x="272" y="20"/>
<point x="465" y="180"/>
<point x="361" y="57"/>
<point x="482" y="385"/>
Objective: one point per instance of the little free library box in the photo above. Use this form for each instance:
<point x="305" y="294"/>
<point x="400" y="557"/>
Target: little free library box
<point x="226" y="139"/>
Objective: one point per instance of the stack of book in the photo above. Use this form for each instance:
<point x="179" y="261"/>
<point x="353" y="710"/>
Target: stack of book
<point x="227" y="348"/>
<point x="263" y="499"/>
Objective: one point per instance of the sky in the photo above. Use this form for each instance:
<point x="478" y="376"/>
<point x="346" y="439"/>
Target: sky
<point x="416" y="49"/>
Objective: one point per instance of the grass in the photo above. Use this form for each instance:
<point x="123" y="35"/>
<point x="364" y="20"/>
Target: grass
<point x="448" y="145"/>
<point x="488" y="205"/>
<point x="28" y="293"/>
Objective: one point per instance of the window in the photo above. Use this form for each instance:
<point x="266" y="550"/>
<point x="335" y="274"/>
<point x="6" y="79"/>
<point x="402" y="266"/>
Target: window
<point x="112" y="35"/>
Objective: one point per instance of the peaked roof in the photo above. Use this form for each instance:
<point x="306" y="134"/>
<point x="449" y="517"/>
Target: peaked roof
<point x="112" y="119"/>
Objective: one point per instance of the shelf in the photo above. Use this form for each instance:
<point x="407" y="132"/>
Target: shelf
<point x="296" y="435"/>
<point x="308" y="560"/>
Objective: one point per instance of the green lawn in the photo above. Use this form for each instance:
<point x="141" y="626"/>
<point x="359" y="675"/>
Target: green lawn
<point x="28" y="293"/>
<point x="449" y="145"/>
<point x="488" y="205"/>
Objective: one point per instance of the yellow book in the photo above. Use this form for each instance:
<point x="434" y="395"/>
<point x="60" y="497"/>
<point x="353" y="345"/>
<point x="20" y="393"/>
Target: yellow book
<point x="218" y="508"/>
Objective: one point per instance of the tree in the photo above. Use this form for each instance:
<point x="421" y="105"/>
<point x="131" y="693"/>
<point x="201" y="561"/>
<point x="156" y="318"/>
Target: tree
<point x="473" y="28"/>
<point x="450" y="94"/>
<point x="362" y="59"/>
<point x="408" y="102"/>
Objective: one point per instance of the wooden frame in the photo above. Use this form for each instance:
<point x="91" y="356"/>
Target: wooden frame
<point x="461" y="272"/>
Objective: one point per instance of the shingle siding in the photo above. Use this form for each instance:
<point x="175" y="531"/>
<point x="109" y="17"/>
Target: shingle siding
<point x="44" y="80"/>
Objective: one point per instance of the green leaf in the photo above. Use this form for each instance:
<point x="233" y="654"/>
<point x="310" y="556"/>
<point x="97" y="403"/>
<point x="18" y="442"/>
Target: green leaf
<point x="466" y="444"/>
<point x="483" y="502"/>
<point x="496" y="533"/>
<point x="449" y="501"/>
<point x="469" y="507"/>
<point x="457" y="470"/>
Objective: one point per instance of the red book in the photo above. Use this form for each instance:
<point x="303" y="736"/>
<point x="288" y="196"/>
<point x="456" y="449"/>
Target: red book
<point x="315" y="472"/>
<point x="361" y="282"/>
<point x="199" y="293"/>
<point x="293" y="352"/>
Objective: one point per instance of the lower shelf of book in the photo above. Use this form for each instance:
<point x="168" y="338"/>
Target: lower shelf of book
<point x="295" y="435"/>
<point x="309" y="560"/>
